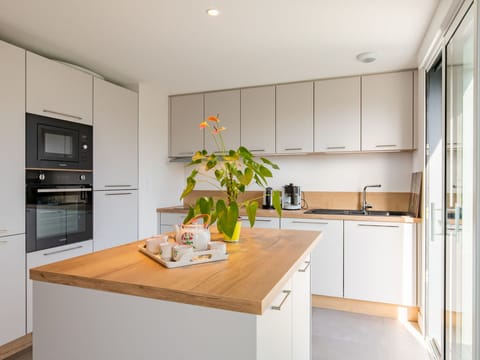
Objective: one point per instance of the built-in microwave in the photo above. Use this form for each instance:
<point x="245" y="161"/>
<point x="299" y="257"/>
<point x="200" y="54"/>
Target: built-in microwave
<point x="57" y="144"/>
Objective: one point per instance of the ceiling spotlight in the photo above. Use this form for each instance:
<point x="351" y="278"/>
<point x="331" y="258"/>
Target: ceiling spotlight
<point x="367" y="57"/>
<point x="213" y="12"/>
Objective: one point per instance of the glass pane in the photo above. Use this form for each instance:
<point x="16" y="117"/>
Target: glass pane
<point x="459" y="192"/>
<point x="58" y="144"/>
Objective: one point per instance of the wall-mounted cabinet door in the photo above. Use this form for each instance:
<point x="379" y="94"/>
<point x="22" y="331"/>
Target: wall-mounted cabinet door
<point x="226" y="104"/>
<point x="258" y="119"/>
<point x="12" y="282"/>
<point x="12" y="139"/>
<point x="57" y="90"/>
<point x="387" y="111"/>
<point x="115" y="137"/>
<point x="337" y="115"/>
<point x="294" y="108"/>
<point x="186" y="114"/>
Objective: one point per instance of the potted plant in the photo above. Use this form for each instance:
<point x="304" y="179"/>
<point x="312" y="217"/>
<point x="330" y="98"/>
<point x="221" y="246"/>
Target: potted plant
<point x="230" y="171"/>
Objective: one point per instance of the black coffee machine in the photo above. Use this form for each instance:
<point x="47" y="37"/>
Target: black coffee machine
<point x="291" y="197"/>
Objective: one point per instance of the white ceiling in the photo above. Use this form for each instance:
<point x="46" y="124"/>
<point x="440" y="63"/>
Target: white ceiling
<point x="174" y="44"/>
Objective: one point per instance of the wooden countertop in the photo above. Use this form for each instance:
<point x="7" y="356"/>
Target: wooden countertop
<point x="300" y="214"/>
<point x="255" y="272"/>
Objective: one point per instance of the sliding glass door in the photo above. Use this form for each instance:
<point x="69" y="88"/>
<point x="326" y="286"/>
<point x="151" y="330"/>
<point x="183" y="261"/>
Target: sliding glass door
<point x="459" y="191"/>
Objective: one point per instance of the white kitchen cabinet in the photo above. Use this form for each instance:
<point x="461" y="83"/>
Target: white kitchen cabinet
<point x="258" y="119"/>
<point x="115" y="137"/>
<point x="12" y="138"/>
<point x="167" y="221"/>
<point x="262" y="222"/>
<point x="12" y="282"/>
<point x="337" y="115"/>
<point x="57" y="90"/>
<point x="48" y="256"/>
<point x="387" y="111"/>
<point x="115" y="219"/>
<point x="380" y="262"/>
<point x="225" y="104"/>
<point x="327" y="257"/>
<point x="186" y="114"/>
<point x="302" y="313"/>
<point x="275" y="327"/>
<point x="294" y="125"/>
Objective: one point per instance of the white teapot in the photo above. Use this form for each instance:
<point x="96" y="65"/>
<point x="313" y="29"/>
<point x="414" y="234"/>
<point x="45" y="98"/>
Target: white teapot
<point x="196" y="235"/>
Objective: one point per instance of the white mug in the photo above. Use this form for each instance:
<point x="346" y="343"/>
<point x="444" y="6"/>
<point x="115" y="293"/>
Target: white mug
<point x="166" y="250"/>
<point x="181" y="250"/>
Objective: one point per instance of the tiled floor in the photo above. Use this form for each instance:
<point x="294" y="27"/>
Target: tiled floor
<point x="340" y="335"/>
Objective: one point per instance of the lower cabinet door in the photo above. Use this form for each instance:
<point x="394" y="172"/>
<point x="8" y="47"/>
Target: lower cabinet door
<point x="302" y="313"/>
<point x="12" y="295"/>
<point x="115" y="218"/>
<point x="48" y="256"/>
<point x="326" y="257"/>
<point x="380" y="262"/>
<point x="274" y="328"/>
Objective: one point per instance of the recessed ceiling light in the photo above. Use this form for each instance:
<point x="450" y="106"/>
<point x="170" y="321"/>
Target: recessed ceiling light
<point x="213" y="12"/>
<point x="367" y="57"/>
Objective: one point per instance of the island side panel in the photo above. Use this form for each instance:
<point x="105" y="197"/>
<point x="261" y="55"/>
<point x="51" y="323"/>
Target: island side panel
<point x="76" y="323"/>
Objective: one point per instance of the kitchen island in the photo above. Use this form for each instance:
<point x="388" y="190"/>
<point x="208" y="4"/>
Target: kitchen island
<point x="120" y="304"/>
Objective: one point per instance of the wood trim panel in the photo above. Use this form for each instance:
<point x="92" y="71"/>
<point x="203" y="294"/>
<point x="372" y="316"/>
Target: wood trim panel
<point x="366" y="307"/>
<point x="16" y="346"/>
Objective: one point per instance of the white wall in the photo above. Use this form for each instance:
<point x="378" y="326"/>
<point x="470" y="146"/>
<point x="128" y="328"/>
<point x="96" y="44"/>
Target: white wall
<point x="342" y="172"/>
<point x="161" y="182"/>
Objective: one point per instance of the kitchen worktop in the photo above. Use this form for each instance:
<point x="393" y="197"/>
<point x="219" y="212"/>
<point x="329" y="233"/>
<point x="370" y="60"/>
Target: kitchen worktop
<point x="248" y="281"/>
<point x="300" y="214"/>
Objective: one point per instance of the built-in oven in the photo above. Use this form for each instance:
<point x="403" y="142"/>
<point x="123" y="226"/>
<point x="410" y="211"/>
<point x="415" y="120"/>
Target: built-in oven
<point x="57" y="144"/>
<point x="59" y="208"/>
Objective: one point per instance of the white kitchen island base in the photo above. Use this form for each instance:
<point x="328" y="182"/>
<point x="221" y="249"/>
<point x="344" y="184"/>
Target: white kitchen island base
<point x="76" y="324"/>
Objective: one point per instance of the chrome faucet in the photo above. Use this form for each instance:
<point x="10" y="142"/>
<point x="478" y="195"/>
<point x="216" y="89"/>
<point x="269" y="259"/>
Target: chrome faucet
<point x="366" y="205"/>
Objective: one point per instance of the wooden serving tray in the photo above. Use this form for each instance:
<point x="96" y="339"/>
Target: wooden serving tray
<point x="197" y="257"/>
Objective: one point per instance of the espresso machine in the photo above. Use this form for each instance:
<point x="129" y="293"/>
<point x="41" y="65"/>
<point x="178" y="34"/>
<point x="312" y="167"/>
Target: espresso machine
<point x="291" y="197"/>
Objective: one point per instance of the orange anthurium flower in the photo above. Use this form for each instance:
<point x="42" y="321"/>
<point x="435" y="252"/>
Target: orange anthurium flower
<point x="203" y="125"/>
<point x="213" y="118"/>
<point x="217" y="130"/>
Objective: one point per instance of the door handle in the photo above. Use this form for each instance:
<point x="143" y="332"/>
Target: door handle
<point x="306" y="267"/>
<point x="64" y="250"/>
<point x="279" y="307"/>
<point x="62" y="114"/>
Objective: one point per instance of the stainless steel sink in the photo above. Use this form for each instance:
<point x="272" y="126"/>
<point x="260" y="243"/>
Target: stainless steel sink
<point x="356" y="212"/>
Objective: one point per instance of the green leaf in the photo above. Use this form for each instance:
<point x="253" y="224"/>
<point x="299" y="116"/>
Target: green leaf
<point x="244" y="152"/>
<point x="251" y="208"/>
<point x="211" y="164"/>
<point x="273" y="165"/>
<point x="191" y="182"/>
<point x="265" y="172"/>
<point x="276" y="202"/>
<point x="196" y="162"/>
<point x="246" y="178"/>
<point x="190" y="214"/>
<point x="228" y="219"/>
<point x="221" y="209"/>
<point x="198" y="156"/>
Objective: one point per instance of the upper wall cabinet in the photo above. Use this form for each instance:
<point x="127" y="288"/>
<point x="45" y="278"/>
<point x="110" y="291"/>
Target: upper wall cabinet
<point x="58" y="91"/>
<point x="115" y="137"/>
<point x="12" y="138"/>
<point x="258" y="119"/>
<point x="387" y="111"/>
<point x="186" y="113"/>
<point x="226" y="104"/>
<point x="294" y="106"/>
<point x="337" y="115"/>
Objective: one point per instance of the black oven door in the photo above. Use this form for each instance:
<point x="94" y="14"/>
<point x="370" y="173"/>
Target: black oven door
<point x="58" y="215"/>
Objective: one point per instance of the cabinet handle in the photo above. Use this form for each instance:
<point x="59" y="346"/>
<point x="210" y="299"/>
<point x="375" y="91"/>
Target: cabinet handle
<point x="115" y="194"/>
<point x="306" y="267"/>
<point x="64" y="250"/>
<point x="186" y="153"/>
<point x="257" y="150"/>
<point x="335" y="147"/>
<point x="3" y="230"/>
<point x="386" y="145"/>
<point x="279" y="307"/>
<point x="376" y="225"/>
<point x="57" y="190"/>
<point x="309" y="222"/>
<point x="62" y="114"/>
<point x="293" y="149"/>
<point x="117" y="186"/>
